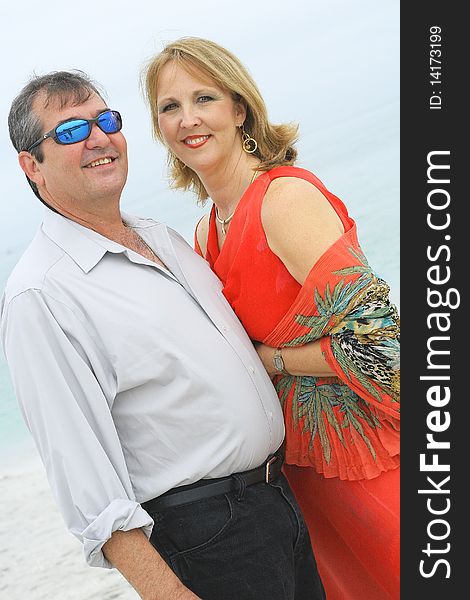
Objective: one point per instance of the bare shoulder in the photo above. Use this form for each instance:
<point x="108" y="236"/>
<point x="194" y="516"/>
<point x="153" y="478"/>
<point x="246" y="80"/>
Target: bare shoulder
<point x="299" y="223"/>
<point x="298" y="198"/>
<point x="202" y="232"/>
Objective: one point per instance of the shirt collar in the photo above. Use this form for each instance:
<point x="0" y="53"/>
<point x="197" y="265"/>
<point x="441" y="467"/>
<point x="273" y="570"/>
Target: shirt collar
<point x="84" y="246"/>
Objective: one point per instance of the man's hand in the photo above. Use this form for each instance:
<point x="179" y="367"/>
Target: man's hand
<point x="142" y="566"/>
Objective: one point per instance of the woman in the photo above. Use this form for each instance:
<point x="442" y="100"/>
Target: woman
<point x="287" y="253"/>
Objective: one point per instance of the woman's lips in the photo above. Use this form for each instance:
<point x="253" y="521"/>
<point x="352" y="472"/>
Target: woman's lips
<point x="195" y="141"/>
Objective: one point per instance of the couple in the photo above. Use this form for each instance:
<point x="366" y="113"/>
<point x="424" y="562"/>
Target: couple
<point x="155" y="415"/>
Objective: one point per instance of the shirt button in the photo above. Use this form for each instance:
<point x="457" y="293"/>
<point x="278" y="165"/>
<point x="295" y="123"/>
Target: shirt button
<point x="252" y="370"/>
<point x="270" y="415"/>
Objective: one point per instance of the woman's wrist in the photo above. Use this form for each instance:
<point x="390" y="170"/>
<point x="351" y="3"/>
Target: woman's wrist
<point x="307" y="360"/>
<point x="273" y="359"/>
<point x="278" y="363"/>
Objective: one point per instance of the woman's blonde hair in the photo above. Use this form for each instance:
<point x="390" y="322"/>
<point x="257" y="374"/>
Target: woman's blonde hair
<point x="275" y="142"/>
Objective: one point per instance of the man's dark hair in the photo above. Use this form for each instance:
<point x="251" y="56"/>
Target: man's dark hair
<point x="62" y="87"/>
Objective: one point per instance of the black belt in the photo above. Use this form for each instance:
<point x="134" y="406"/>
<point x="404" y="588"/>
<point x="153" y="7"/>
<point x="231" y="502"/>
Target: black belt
<point x="205" y="488"/>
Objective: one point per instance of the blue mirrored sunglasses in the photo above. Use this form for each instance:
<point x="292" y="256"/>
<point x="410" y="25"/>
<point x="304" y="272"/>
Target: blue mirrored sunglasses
<point x="77" y="130"/>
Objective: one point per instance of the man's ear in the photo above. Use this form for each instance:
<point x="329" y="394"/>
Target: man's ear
<point x="31" y="167"/>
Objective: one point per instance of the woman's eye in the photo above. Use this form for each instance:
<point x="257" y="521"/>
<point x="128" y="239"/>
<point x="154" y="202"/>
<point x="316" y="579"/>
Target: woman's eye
<point x="203" y="99"/>
<point x="168" y="107"/>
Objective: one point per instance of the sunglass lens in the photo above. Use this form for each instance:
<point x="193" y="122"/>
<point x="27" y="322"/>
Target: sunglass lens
<point x="73" y="131"/>
<point x="110" y="121"/>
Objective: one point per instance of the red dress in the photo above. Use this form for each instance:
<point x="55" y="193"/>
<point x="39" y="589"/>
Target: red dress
<point x="342" y="440"/>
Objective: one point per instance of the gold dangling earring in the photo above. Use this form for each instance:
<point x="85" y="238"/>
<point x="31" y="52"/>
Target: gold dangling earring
<point x="249" y="143"/>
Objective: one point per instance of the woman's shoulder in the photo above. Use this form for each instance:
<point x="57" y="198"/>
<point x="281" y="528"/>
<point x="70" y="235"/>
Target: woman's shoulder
<point x="300" y="223"/>
<point x="296" y="196"/>
<point x="283" y="172"/>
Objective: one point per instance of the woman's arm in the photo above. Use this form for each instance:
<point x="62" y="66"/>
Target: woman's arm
<point x="302" y="360"/>
<point x="300" y="224"/>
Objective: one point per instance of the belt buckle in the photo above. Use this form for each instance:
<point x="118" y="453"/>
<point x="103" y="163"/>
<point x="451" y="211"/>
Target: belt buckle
<point x="271" y="461"/>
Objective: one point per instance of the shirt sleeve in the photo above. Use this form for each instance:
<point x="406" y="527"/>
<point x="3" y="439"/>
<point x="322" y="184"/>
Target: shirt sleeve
<point x="65" y="388"/>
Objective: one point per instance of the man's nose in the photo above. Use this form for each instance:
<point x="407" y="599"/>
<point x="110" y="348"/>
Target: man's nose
<point x="97" y="137"/>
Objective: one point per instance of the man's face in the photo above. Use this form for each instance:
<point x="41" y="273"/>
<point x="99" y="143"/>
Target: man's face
<point x="71" y="177"/>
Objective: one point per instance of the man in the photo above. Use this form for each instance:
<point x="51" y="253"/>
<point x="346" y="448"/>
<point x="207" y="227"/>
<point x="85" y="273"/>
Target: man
<point x="146" y="399"/>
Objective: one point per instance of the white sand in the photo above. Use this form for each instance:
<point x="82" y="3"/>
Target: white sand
<point x="39" y="558"/>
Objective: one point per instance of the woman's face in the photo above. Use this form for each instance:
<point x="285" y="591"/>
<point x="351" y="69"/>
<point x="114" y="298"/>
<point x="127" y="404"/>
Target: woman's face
<point x="198" y="120"/>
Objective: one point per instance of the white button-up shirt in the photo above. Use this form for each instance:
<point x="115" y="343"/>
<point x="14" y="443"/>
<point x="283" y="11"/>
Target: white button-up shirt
<point x="133" y="380"/>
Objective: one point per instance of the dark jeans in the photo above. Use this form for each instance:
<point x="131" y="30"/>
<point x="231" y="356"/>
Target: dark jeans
<point x="249" y="545"/>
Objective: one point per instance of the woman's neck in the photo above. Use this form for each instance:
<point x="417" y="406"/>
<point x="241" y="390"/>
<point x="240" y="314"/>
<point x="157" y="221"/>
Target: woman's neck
<point x="226" y="188"/>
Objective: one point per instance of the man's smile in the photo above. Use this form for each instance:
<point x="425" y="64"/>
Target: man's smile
<point x="100" y="161"/>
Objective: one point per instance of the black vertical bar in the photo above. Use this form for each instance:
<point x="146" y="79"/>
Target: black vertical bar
<point x="434" y="275"/>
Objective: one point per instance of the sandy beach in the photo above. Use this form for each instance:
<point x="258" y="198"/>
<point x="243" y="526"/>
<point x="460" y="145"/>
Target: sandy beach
<point x="39" y="558"/>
